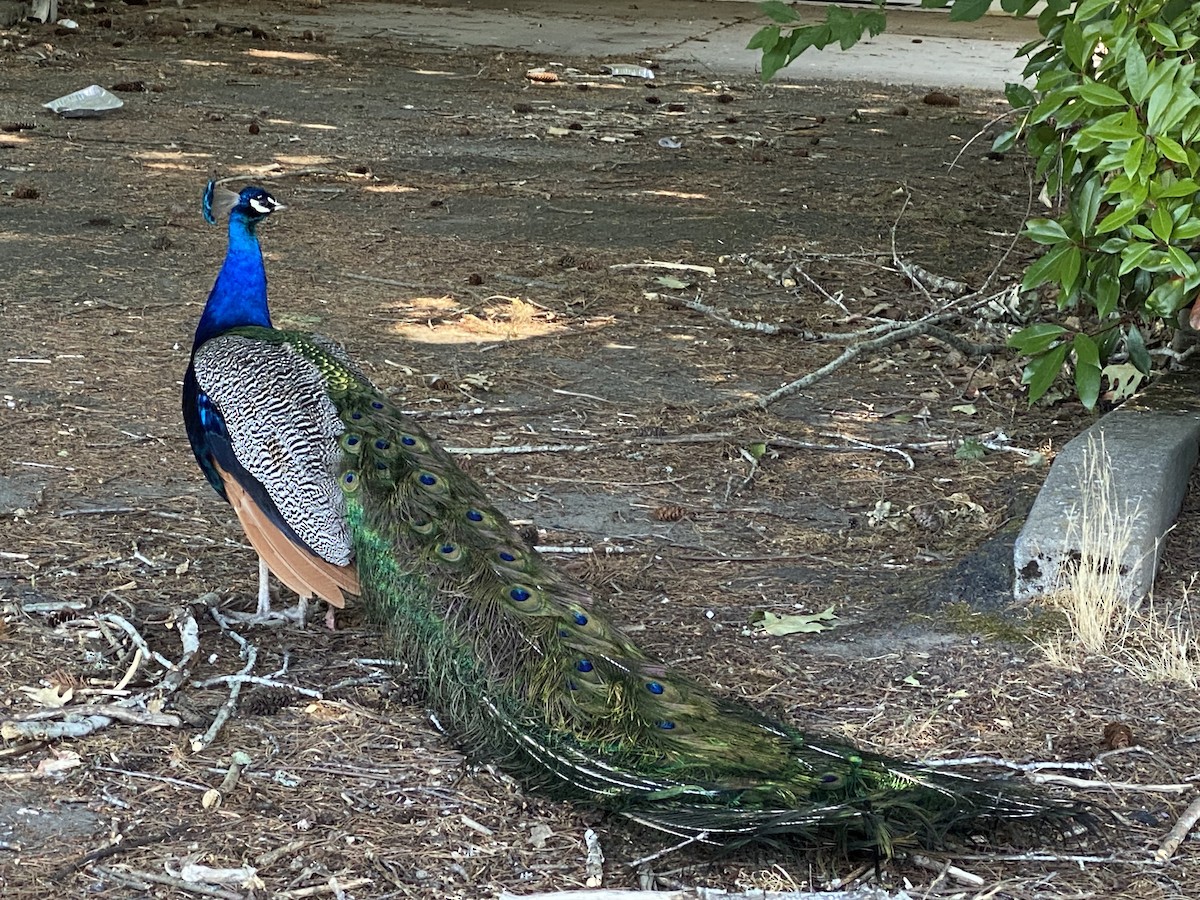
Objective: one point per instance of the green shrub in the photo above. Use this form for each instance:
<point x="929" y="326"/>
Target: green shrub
<point x="1109" y="121"/>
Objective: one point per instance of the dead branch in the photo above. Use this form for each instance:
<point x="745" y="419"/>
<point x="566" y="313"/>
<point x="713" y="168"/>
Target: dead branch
<point x="1004" y="763"/>
<point x="1177" y="835"/>
<point x="794" y="387"/>
<point x="334" y="886"/>
<point x="115" y="848"/>
<point x="250" y="653"/>
<point x="1039" y="778"/>
<point x="141" y="881"/>
<point x="946" y="870"/>
<point x="921" y="276"/>
<point x="724" y="317"/>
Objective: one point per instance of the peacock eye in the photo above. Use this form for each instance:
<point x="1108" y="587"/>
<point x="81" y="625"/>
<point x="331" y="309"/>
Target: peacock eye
<point x="584" y="665"/>
<point x="428" y="479"/>
<point x="654" y="687"/>
<point x="506" y="556"/>
<point x="381" y="444"/>
<point x="474" y="515"/>
<point x="519" y="594"/>
<point x="375" y="404"/>
<point x="408" y="441"/>
<point x="666" y="724"/>
<point x="580" y="619"/>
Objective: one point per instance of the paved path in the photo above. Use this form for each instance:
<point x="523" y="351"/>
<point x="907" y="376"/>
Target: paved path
<point x="921" y="48"/>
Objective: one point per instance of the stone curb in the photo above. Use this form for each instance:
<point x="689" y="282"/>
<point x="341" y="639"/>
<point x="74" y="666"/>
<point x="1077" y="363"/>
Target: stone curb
<point x="1152" y="445"/>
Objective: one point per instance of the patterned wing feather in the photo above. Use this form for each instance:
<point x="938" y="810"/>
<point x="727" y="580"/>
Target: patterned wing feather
<point x="283" y="432"/>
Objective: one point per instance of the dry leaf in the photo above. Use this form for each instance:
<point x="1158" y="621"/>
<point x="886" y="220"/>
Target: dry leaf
<point x="773" y="623"/>
<point x="50" y="697"/>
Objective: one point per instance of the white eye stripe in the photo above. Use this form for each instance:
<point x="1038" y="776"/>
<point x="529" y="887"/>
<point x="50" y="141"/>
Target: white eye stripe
<point x="261" y="207"/>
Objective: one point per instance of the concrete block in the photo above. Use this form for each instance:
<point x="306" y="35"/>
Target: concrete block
<point x="1152" y="445"/>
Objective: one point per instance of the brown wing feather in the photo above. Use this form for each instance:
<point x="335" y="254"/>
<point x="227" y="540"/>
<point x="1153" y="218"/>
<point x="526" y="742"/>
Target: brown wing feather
<point x="304" y="573"/>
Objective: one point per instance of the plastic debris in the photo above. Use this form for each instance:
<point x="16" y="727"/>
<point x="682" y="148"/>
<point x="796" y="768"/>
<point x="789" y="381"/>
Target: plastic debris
<point x="622" y="70"/>
<point x="92" y="101"/>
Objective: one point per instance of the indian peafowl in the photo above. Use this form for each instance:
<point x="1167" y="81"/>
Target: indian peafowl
<point x="342" y="494"/>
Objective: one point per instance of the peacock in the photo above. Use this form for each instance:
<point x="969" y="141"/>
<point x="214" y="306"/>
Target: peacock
<point x="346" y="497"/>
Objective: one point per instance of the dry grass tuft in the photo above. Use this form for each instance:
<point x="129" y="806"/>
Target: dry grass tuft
<point x="1153" y="644"/>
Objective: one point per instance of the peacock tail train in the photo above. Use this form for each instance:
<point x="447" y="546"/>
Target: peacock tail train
<point x="522" y="668"/>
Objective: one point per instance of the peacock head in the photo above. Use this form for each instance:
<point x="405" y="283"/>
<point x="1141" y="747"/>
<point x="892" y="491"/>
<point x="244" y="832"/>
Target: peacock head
<point x="252" y="203"/>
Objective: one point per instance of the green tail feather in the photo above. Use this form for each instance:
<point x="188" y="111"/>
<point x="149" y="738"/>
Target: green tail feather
<point x="524" y="671"/>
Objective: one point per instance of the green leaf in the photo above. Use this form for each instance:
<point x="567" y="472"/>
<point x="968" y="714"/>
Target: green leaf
<point x="1133" y="156"/>
<point x="1085" y="203"/>
<point x="1167" y="298"/>
<point x="1074" y="45"/>
<point x="1048" y="106"/>
<point x="1125" y="211"/>
<point x="1045" y="269"/>
<point x="1133" y="255"/>
<point x="1181" y="261"/>
<point x="775" y="58"/>
<point x="1089" y="8"/>
<point x="765" y="38"/>
<point x="1040" y="373"/>
<point x="1171" y="149"/>
<point x="1035" y="339"/>
<point x="1108" y="291"/>
<point x="968" y="10"/>
<point x="1019" y="96"/>
<point x="1099" y="94"/>
<point x="1005" y="140"/>
<point x="1113" y="127"/>
<point x="1161" y="97"/>
<point x="1161" y="223"/>
<point x="1068" y="269"/>
<point x="1045" y="231"/>
<point x="1137" y="75"/>
<point x="1087" y="385"/>
<point x="1163" y="35"/>
<point x="1185" y="187"/>
<point x="1136" y="345"/>
<point x="778" y="12"/>
<point x="1086" y="351"/>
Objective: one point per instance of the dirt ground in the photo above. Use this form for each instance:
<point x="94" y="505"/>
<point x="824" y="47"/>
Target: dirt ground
<point x="479" y="242"/>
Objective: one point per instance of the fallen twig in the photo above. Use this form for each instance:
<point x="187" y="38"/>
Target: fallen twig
<point x="250" y="652"/>
<point x="793" y="387"/>
<point x="334" y="886"/>
<point x="1039" y="778"/>
<point x="1004" y="763"/>
<point x="142" y="880"/>
<point x="125" y="843"/>
<point x="1177" y="835"/>
<point x="658" y="264"/>
<point x="261" y="681"/>
<point x="946" y="870"/>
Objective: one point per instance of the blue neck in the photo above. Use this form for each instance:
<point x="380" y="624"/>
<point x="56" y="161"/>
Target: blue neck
<point x="239" y="296"/>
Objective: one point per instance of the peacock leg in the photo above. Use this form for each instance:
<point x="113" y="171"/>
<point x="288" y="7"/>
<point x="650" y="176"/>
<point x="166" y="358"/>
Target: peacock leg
<point x="264" y="589"/>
